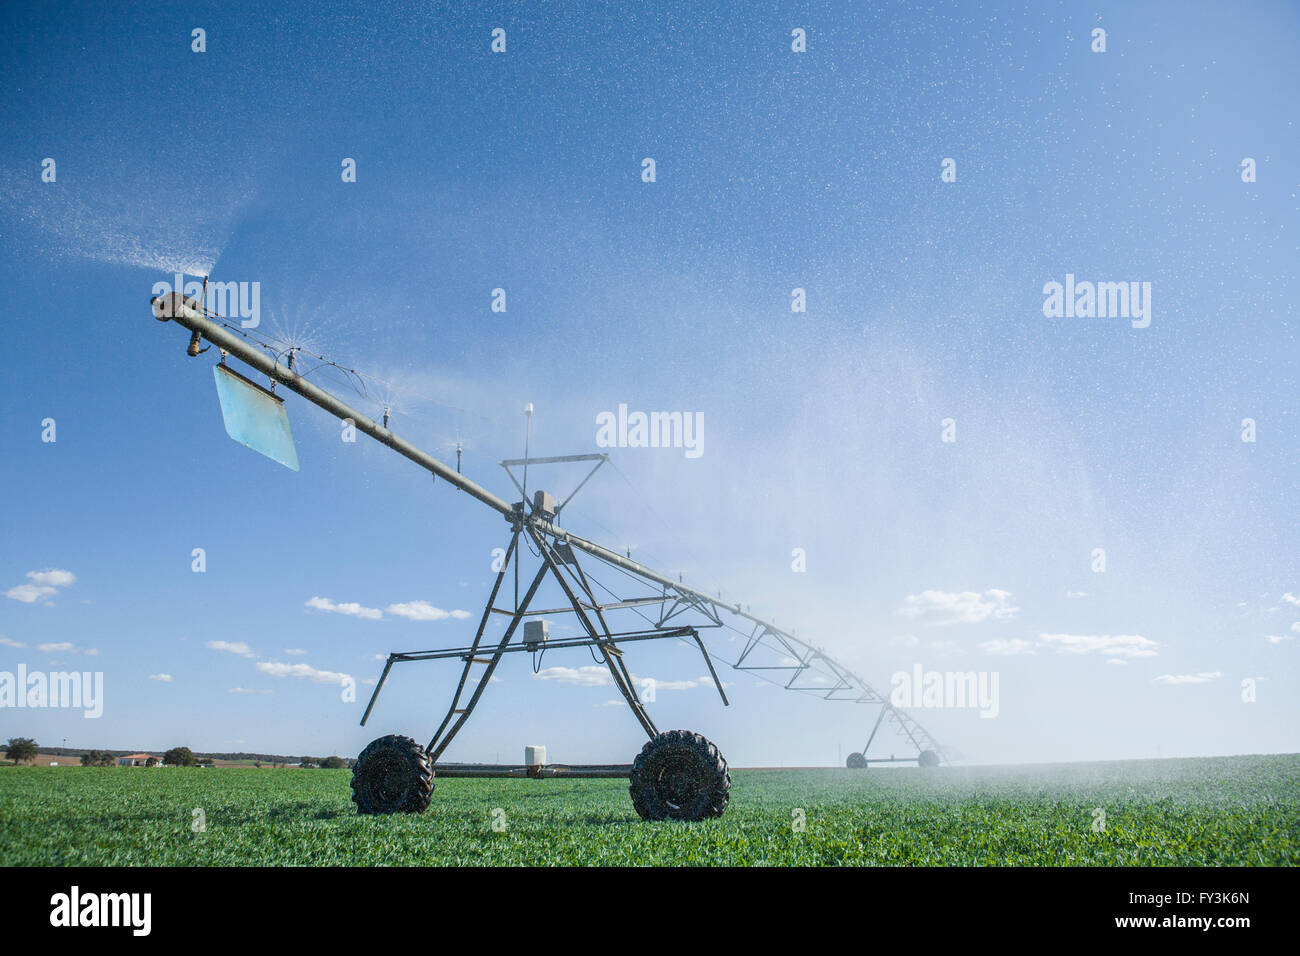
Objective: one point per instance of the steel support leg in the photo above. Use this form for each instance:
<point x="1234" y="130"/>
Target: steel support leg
<point x="879" y="718"/>
<point x="460" y="714"/>
<point x="610" y="651"/>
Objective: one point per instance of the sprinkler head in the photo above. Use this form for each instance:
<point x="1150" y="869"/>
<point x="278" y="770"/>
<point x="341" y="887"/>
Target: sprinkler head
<point x="173" y="305"/>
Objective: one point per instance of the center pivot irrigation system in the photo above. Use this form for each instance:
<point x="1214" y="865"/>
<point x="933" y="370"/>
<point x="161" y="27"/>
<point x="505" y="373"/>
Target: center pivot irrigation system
<point x="678" y="774"/>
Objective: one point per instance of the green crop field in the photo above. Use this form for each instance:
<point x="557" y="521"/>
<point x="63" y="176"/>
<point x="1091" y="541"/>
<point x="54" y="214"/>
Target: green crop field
<point x="1213" y="811"/>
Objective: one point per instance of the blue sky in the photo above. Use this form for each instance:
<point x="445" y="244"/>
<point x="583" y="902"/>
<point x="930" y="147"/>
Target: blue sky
<point x="775" y="170"/>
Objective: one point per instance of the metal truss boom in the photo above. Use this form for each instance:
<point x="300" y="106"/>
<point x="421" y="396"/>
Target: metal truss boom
<point x="806" y="667"/>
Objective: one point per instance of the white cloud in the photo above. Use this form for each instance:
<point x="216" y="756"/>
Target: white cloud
<point x="1291" y="598"/>
<point x="1114" y="645"/>
<point x="591" y="675"/>
<point x="1278" y="638"/>
<point x="8" y="643"/>
<point x="294" y="650"/>
<point x="350" y="608"/>
<point x="1117" y="660"/>
<point x="1074" y="595"/>
<point x="807" y="679"/>
<point x="165" y="678"/>
<point x="594" y="675"/>
<point x="939" y="608"/>
<point x="52" y="577"/>
<point x="278" y="669"/>
<point x="29" y="593"/>
<point x="1007" y="648"/>
<point x="673" y="684"/>
<point x="66" y="647"/>
<point x="43" y="584"/>
<point x="1203" y="678"/>
<point x="234" y="647"/>
<point x="247" y="690"/>
<point x="424" y="611"/>
<point x="905" y="640"/>
<point x="946" y="647"/>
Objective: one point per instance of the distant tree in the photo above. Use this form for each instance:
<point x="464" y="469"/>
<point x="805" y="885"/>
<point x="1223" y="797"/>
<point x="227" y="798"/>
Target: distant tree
<point x="98" y="758"/>
<point x="179" y="757"/>
<point x="307" y="762"/>
<point x="22" y="749"/>
<point x="205" y="762"/>
<point x="257" y="764"/>
<point x="151" y="762"/>
<point x="334" y="763"/>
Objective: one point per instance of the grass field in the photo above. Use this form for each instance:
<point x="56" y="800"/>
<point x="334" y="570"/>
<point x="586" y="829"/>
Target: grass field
<point x="1212" y="811"/>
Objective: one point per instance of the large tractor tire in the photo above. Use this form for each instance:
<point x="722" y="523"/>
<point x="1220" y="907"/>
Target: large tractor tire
<point x="392" y="775"/>
<point x="927" y="758"/>
<point x="856" y="761"/>
<point x="679" y="776"/>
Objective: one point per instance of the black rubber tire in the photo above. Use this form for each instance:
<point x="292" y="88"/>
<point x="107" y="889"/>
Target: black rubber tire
<point x="927" y="758"/>
<point x="392" y="775"/>
<point x="856" y="761"/>
<point x="679" y="776"/>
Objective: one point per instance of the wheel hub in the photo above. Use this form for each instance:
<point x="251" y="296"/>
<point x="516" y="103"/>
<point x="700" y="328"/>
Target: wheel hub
<point x="680" y="778"/>
<point x="389" y="782"/>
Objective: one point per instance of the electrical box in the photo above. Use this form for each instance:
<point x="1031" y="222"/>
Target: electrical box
<point x="544" y="504"/>
<point x="536" y="633"/>
<point x="534" y="756"/>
